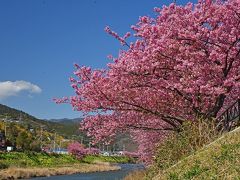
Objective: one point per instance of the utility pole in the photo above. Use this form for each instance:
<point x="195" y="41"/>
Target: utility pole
<point x="54" y="142"/>
<point x="5" y="128"/>
<point x="60" y="145"/>
<point x="20" y="117"/>
<point x="41" y="133"/>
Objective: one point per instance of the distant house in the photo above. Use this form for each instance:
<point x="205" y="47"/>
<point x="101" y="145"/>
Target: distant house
<point x="105" y="153"/>
<point x="60" y="151"/>
<point x="2" y="141"/>
<point x="57" y="151"/>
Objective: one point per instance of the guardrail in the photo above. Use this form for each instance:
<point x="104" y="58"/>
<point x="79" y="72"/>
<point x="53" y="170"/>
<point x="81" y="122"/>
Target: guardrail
<point x="230" y="118"/>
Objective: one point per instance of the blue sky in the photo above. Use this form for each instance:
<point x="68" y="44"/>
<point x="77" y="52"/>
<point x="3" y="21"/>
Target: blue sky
<point x="40" y="40"/>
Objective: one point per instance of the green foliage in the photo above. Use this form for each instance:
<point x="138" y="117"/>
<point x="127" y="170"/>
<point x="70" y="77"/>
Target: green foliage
<point x="34" y="159"/>
<point x="67" y="128"/>
<point x="23" y="140"/>
<point x="26" y="159"/>
<point x="28" y="121"/>
<point x="28" y="140"/>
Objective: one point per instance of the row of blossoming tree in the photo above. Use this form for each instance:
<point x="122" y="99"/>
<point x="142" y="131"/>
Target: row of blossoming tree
<point x="184" y="63"/>
<point x="79" y="150"/>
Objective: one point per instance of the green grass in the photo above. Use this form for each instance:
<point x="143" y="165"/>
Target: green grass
<point x="33" y="159"/>
<point x="218" y="160"/>
<point x="28" y="159"/>
<point x="179" y="145"/>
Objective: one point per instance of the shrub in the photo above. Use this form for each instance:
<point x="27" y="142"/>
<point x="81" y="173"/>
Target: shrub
<point x="77" y="150"/>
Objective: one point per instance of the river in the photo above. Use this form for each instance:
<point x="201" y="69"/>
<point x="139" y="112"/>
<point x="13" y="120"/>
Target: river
<point x="109" y="175"/>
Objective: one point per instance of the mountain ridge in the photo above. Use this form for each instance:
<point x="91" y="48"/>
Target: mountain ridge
<point x="66" y="128"/>
<point x="65" y="120"/>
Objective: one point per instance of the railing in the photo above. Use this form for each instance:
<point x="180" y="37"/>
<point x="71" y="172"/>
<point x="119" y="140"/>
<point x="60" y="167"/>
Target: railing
<point x="230" y="118"/>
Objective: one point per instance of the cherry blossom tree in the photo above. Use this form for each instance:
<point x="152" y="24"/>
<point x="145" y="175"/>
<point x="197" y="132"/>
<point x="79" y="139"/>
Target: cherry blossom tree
<point x="80" y="151"/>
<point x="77" y="150"/>
<point x="185" y="63"/>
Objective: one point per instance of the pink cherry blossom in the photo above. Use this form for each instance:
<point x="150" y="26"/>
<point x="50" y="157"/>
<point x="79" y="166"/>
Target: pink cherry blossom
<point x="185" y="63"/>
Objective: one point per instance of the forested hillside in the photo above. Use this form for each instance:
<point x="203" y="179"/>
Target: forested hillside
<point x="66" y="128"/>
<point x="14" y="115"/>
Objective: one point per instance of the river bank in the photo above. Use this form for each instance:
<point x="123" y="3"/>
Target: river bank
<point x="24" y="173"/>
<point x="106" y="175"/>
<point x="16" y="165"/>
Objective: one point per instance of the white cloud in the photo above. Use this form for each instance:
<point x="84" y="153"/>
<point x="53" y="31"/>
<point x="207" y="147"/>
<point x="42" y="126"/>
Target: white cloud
<point x="9" y="88"/>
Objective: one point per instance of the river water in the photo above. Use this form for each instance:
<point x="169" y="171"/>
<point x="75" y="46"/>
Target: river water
<point x="109" y="175"/>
